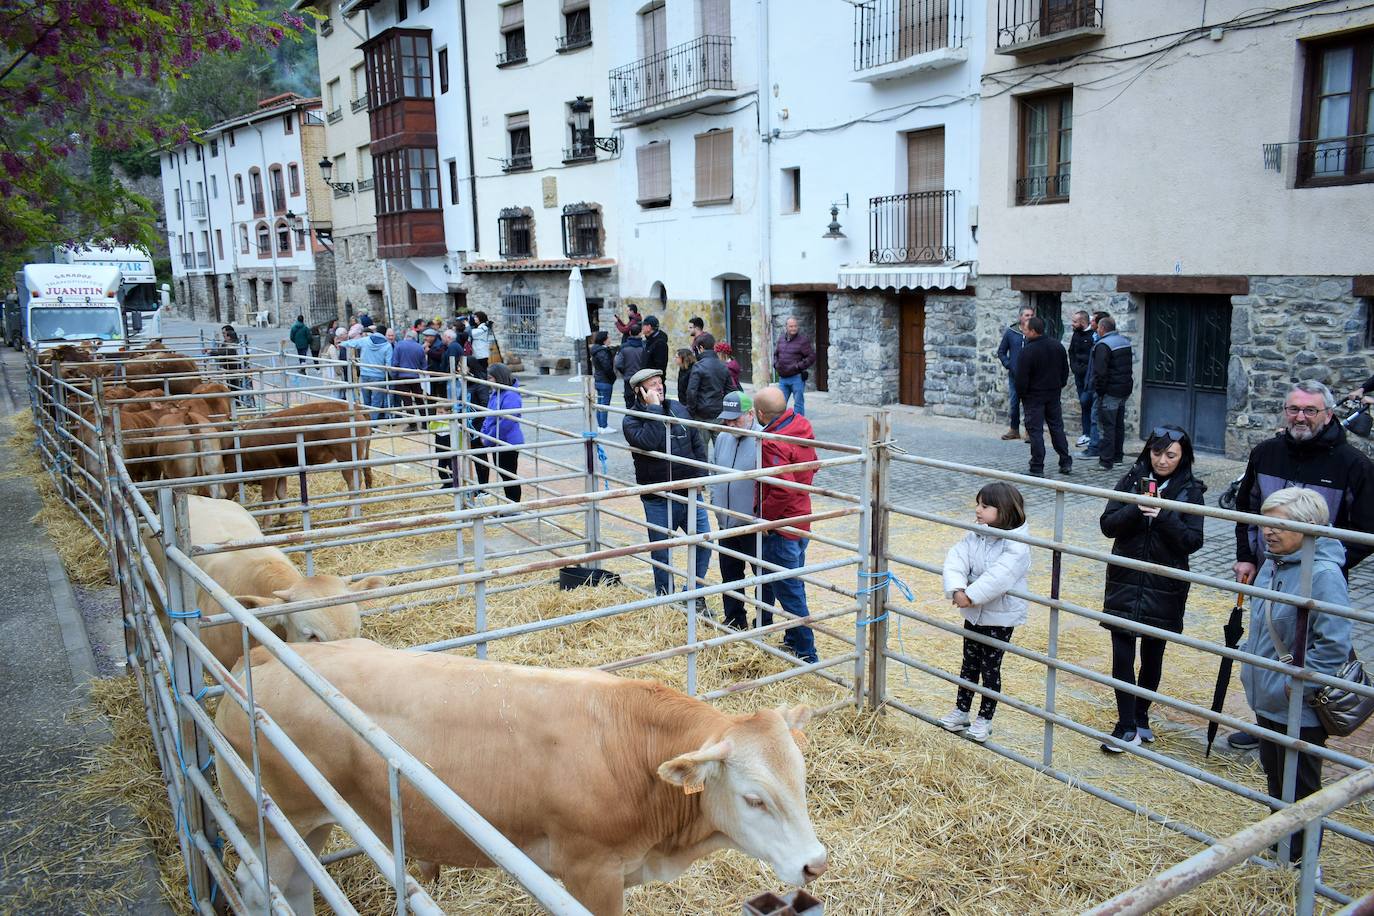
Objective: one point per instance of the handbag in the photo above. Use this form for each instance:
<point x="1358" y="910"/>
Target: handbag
<point x="1339" y="709"/>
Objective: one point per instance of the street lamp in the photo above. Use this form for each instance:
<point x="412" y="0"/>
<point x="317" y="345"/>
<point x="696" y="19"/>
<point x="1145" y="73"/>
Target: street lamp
<point x="582" y="126"/>
<point x="834" y="226"/>
<point x="327" y="171"/>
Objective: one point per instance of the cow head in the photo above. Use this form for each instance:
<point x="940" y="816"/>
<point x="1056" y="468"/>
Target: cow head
<point x="753" y="785"/>
<point x="325" y="624"/>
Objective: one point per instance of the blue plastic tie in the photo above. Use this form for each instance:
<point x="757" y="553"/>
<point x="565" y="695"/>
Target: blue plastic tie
<point x="600" y="456"/>
<point x="184" y="615"/>
<point x="883" y="580"/>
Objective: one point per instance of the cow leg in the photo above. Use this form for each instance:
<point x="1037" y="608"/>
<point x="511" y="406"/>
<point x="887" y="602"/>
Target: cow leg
<point x="598" y="884"/>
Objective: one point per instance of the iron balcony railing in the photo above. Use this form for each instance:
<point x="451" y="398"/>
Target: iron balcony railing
<point x="257" y="204"/>
<point x="886" y="31"/>
<point x="916" y="228"/>
<point x="1337" y="159"/>
<point x="571" y="41"/>
<point x="513" y="54"/>
<point x="1021" y="21"/>
<point x="342" y="190"/>
<point x="518" y="162"/>
<point x="335" y="115"/>
<point x="188" y="260"/>
<point x="671" y="75"/>
<point x="196" y="208"/>
<point x="358" y="104"/>
<point x="1043" y="188"/>
<point x="278" y="200"/>
<point x="203" y="259"/>
<point x="365" y="184"/>
<point x="326" y="26"/>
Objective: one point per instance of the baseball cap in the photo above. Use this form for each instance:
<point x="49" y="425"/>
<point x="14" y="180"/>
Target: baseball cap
<point x="643" y="375"/>
<point x="735" y="405"/>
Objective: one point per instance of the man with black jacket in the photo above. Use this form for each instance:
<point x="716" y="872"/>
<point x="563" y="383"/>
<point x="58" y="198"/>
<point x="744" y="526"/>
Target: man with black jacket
<point x="1113" y="381"/>
<point x="1042" y="371"/>
<point x="1312" y="453"/>
<point x="662" y="514"/>
<point x="655" y="346"/>
<point x="709" y="381"/>
<point x="628" y="361"/>
<point x="1080" y="357"/>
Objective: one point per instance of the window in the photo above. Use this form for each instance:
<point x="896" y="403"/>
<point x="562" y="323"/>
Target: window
<point x="715" y="167"/>
<point x="399" y="67"/>
<point x="1338" y="111"/>
<point x="653" y="31"/>
<point x="197" y="152"/>
<point x="300" y="239"/>
<point x="522" y="316"/>
<point x="341" y="169"/>
<point x="358" y="84"/>
<point x="1368" y="321"/>
<point x="518" y="134"/>
<point x="654" y="169"/>
<point x="243" y="239"/>
<point x="402" y="11"/>
<point x="512" y="34"/>
<point x="278" y="189"/>
<point x="443" y="70"/>
<point x="516" y="233"/>
<point x="582" y="231"/>
<point x="286" y="291"/>
<point x="577" y="25"/>
<point x="287" y="123"/>
<point x="334" y="95"/>
<point x="791" y="190"/>
<point x="1049" y="307"/>
<point x="283" y="239"/>
<point x="231" y="138"/>
<point x="255" y="180"/>
<point x="214" y="187"/>
<point x="293" y="173"/>
<point x="264" y="241"/>
<point x="424" y="4"/>
<point x="1045" y="148"/>
<point x="177" y="194"/>
<point x="406" y="179"/>
<point x="362" y="160"/>
<point x="214" y="149"/>
<point x="453" y="181"/>
<point x="219" y="243"/>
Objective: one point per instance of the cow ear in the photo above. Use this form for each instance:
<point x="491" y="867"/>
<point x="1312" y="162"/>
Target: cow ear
<point x="252" y="601"/>
<point x="368" y="584"/>
<point x="691" y="770"/>
<point x="797" y="717"/>
<point x="283" y="595"/>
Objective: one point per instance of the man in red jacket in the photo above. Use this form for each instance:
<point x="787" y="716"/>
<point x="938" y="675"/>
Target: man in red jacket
<point x="781" y="547"/>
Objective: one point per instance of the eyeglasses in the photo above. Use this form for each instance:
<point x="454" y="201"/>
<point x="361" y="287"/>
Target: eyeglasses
<point x="1165" y="432"/>
<point x="1308" y="412"/>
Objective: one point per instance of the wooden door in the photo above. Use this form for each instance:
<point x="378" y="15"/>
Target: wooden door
<point x="925" y="211"/>
<point x="1187" y="352"/>
<point x="821" y="370"/>
<point x="214" y="298"/>
<point x="912" y="375"/>
<point x="739" y="316"/>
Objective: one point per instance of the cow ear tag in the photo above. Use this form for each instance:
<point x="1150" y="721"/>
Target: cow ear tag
<point x="692" y="788"/>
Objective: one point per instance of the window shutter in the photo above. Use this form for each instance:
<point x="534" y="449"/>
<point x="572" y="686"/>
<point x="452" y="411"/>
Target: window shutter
<point x="655" y="175"/>
<point x="715" y="166"/>
<point x="715" y="17"/>
<point x="513" y="16"/>
<point x="572" y="6"/>
<point x="517" y="121"/>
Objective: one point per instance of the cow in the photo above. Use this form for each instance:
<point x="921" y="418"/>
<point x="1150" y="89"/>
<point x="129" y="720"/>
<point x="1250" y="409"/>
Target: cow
<point x="183" y="457"/>
<point x="276" y="429"/>
<point x="216" y="408"/>
<point x="260" y="577"/>
<point x="145" y="371"/>
<point x="604" y="782"/>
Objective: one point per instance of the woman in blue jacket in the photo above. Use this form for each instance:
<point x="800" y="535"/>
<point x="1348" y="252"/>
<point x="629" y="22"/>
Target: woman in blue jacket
<point x="502" y="431"/>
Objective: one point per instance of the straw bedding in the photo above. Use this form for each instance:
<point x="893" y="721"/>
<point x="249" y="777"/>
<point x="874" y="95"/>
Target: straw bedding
<point x="916" y="821"/>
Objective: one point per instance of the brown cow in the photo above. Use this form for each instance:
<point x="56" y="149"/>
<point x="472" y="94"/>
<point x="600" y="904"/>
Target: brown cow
<point x="216" y="408"/>
<point x="146" y="370"/>
<point x="321" y="446"/>
<point x="605" y="783"/>
<point x="193" y="457"/>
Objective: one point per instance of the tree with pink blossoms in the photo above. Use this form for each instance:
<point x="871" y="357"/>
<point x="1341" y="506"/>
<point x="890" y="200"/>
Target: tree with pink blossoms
<point x="82" y="81"/>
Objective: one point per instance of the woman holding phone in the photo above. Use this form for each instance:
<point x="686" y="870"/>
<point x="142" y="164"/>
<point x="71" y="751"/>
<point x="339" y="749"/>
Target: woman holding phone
<point x="1164" y="469"/>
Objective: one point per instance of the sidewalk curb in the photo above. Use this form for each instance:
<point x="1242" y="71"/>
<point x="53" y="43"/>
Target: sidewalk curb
<point x="74" y="636"/>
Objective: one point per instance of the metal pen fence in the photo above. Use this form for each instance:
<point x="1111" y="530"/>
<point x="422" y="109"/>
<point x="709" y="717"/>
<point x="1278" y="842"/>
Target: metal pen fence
<point x="579" y="514"/>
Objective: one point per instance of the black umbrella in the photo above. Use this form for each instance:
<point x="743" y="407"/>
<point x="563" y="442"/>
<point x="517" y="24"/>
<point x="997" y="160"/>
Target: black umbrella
<point x="1233" y="631"/>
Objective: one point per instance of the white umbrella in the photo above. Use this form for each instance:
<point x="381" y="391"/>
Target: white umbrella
<point x="576" y="325"/>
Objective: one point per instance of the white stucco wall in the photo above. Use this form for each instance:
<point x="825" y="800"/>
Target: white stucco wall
<point x="338" y="54"/>
<point x="1168" y="173"/>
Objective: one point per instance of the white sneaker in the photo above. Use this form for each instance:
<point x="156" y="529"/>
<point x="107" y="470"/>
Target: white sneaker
<point x="608" y="430"/>
<point x="956" y="720"/>
<point x="979" y="730"/>
<point x="1084" y="440"/>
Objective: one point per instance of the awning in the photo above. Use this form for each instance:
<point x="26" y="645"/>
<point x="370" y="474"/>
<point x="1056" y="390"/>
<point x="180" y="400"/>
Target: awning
<point x="531" y="265"/>
<point x="427" y="275"/>
<point x="904" y="276"/>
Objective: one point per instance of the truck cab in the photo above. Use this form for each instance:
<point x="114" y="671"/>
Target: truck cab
<point x="65" y="303"/>
<point x="138" y="292"/>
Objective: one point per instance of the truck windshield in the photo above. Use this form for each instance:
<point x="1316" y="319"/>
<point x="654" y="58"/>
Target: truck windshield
<point x="142" y="297"/>
<point x="99" y="323"/>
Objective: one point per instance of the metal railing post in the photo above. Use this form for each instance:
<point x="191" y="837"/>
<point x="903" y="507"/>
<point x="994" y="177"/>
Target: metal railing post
<point x="479" y="588"/>
<point x="692" y="584"/>
<point x="1051" y="675"/>
<point x="398" y="835"/>
<point x="303" y="477"/>
<point x="592" y="521"/>
<point x="877" y="548"/>
<point x="1296" y="691"/>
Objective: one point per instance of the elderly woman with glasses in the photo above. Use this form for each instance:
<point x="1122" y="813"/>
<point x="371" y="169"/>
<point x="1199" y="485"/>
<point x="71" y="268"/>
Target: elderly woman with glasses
<point x="1155" y="535"/>
<point x="1320" y="642"/>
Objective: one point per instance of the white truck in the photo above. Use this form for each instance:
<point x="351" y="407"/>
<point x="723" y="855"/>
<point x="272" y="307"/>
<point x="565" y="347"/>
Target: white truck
<point x="138" y="292"/>
<point x="65" y="303"/>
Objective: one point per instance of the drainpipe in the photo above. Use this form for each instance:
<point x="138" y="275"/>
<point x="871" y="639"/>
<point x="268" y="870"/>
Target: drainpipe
<point x="213" y="284"/>
<point x="467" y="112"/>
<point x="271" y="222"/>
<point x="762" y="363"/>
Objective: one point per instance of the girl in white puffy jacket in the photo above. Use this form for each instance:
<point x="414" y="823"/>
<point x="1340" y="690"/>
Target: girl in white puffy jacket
<point x="979" y="571"/>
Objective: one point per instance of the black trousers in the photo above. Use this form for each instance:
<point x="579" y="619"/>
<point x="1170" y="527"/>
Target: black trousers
<point x="1309" y="772"/>
<point x="982" y="665"/>
<point x="506" y="461"/>
<point x="1133" y="711"/>
<point x="447" y="466"/>
<point x="732" y="568"/>
<point x="1039" y="414"/>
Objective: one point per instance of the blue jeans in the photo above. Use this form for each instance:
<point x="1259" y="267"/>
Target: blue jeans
<point x="656" y="512"/>
<point x="1014" y="402"/>
<point x="794" y="387"/>
<point x="375" y="396"/>
<point x="1089" y="401"/>
<point x="603" y="396"/>
<point x="790" y="593"/>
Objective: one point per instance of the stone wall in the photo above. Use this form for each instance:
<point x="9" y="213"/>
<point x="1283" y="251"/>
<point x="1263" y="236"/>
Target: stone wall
<point x="486" y="291"/>
<point x="864" y="347"/>
<point x="951" y="382"/>
<point x="359" y="275"/>
<point x="802" y="308"/>
<point x="1290" y="329"/>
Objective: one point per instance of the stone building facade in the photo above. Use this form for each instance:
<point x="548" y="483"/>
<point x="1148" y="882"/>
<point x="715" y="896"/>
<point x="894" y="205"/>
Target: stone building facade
<point x="528" y="306"/>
